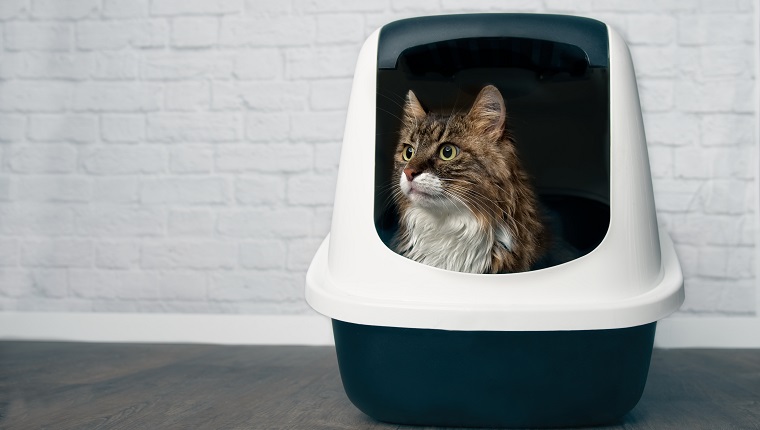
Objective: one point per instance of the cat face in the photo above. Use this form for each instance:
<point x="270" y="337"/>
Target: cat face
<point x="445" y="162"/>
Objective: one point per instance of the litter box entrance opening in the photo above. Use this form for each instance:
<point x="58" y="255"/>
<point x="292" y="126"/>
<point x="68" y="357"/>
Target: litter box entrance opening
<point x="557" y="109"/>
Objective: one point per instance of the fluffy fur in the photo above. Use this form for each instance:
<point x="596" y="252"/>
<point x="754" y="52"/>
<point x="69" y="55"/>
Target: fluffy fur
<point x="475" y="212"/>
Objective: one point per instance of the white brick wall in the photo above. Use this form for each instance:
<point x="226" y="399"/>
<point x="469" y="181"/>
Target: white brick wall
<point x="181" y="155"/>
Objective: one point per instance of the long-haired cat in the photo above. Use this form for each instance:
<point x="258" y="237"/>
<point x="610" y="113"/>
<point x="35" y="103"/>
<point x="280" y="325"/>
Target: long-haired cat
<point x="465" y="203"/>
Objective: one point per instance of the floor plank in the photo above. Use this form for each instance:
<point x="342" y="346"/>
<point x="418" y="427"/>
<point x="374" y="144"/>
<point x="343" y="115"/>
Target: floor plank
<point x="117" y="386"/>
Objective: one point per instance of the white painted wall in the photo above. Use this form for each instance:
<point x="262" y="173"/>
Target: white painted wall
<point x="179" y="156"/>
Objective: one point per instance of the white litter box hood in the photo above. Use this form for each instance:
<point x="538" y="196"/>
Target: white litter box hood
<point x="632" y="278"/>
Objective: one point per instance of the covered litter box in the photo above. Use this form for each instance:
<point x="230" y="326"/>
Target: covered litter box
<point x="568" y="345"/>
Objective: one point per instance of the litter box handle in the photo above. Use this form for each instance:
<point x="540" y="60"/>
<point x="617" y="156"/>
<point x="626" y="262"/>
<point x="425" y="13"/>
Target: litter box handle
<point x="585" y="33"/>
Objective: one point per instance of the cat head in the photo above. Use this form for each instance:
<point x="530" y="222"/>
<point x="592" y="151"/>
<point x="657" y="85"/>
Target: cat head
<point x="462" y="159"/>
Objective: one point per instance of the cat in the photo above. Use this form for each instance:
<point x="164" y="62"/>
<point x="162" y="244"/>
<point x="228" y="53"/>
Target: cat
<point x="465" y="202"/>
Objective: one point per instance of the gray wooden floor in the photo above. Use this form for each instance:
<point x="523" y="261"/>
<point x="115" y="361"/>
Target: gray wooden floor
<point x="90" y="386"/>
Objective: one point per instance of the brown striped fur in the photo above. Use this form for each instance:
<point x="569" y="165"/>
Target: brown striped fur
<point x="486" y="175"/>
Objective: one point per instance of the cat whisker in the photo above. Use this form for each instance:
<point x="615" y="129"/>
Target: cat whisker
<point x="390" y="99"/>
<point x="391" y="114"/>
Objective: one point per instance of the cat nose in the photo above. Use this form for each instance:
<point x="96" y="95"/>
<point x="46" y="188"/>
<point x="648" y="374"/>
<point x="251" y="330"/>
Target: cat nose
<point x="410" y="174"/>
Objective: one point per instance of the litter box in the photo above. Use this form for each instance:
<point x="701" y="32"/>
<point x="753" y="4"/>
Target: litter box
<point x="568" y="345"/>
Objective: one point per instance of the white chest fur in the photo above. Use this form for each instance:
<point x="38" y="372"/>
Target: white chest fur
<point x="452" y="240"/>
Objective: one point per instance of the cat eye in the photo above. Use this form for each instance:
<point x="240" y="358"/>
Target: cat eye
<point x="448" y="151"/>
<point x="408" y="153"/>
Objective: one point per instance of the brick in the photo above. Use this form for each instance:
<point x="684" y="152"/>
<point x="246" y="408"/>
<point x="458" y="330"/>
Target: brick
<point x="110" y="284"/>
<point x="44" y="65"/>
<point x="104" y="35"/>
<point x="661" y="161"/>
<point x="716" y="96"/>
<point x="725" y="61"/>
<point x="407" y="6"/>
<point x="30" y="219"/>
<point x="732" y="162"/>
<point x="263" y="254"/>
<point x="267" y="127"/>
<point x="626" y="6"/>
<point x="738" y="298"/>
<point x="116" y="97"/>
<point x="301" y="252"/>
<point x="343" y="28"/>
<point x="656" y="95"/>
<point x="54" y="188"/>
<point x="194" y="127"/>
<point x="57" y="253"/>
<point x="322" y="221"/>
<point x="183" y="286"/>
<point x="255" y="286"/>
<point x="688" y="61"/>
<point x="715" y="29"/>
<point x="261" y="96"/>
<point x="650" y="29"/>
<point x="727" y="196"/>
<point x="258" y="64"/>
<point x="69" y="127"/>
<point x="187" y="96"/>
<point x="53" y="283"/>
<point x="330" y="94"/>
<point x="654" y="61"/>
<point x="191" y="223"/>
<point x="566" y="6"/>
<point x="12" y="128"/>
<point x="172" y="254"/>
<point x="692" y="163"/>
<point x="701" y="229"/>
<point x="268" y="7"/>
<point x="271" y="31"/>
<point x="706" y="163"/>
<point x="111" y="221"/>
<point x="5" y="188"/>
<point x="671" y="128"/>
<point x="479" y="5"/>
<point x="326" y="157"/>
<point x="125" y="8"/>
<point x="119" y="65"/>
<point x="122" y="127"/>
<point x="702" y="295"/>
<point x="727" y="130"/>
<point x="195" y="32"/>
<point x="9" y="252"/>
<point x="40" y="96"/>
<point x="187" y="65"/>
<point x="192" y="159"/>
<point x="723" y="6"/>
<point x="184" y="191"/>
<point x="42" y="36"/>
<point x="677" y="195"/>
<point x="316" y="6"/>
<point x="114" y="190"/>
<point x="317" y="126"/>
<point x="741" y="263"/>
<point x="264" y="223"/>
<point x="195" y="7"/>
<point x="320" y="62"/>
<point x="311" y="189"/>
<point x="123" y="159"/>
<point x="16" y="283"/>
<point x="265" y="158"/>
<point x="260" y="189"/>
<point x="117" y="255"/>
<point x="10" y="9"/>
<point x="713" y="262"/>
<point x="64" y="9"/>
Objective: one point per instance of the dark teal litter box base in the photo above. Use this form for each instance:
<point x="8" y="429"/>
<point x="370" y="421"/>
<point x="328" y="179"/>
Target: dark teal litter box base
<point x="493" y="379"/>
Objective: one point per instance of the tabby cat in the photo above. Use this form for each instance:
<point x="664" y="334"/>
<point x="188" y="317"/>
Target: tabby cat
<point x="465" y="203"/>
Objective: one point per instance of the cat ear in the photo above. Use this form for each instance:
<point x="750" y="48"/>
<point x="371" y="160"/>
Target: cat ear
<point x="488" y="113"/>
<point x="413" y="110"/>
